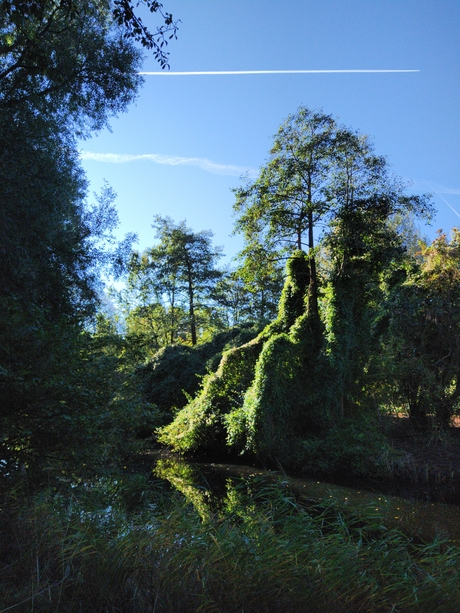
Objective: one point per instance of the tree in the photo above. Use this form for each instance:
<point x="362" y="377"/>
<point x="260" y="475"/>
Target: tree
<point x="68" y="63"/>
<point x="262" y="277"/>
<point x="65" y="67"/>
<point x="250" y="293"/>
<point x="316" y="167"/>
<point x="34" y="34"/>
<point x="306" y="372"/>
<point x="404" y="223"/>
<point x="287" y="200"/>
<point x="126" y="15"/>
<point x="423" y="339"/>
<point x="180" y="272"/>
<point x="361" y="246"/>
<point x="148" y="321"/>
<point x="52" y="249"/>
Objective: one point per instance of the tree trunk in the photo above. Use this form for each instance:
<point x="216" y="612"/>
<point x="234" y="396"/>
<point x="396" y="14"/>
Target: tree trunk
<point x="313" y="289"/>
<point x="191" y="302"/>
<point x="172" y="319"/>
<point x="192" y="318"/>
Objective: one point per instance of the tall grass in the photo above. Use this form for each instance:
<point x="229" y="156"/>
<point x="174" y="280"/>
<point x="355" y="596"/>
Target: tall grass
<point x="132" y="547"/>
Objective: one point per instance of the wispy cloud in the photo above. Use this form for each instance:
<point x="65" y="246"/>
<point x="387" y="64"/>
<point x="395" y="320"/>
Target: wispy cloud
<point x="442" y="189"/>
<point x="447" y="190"/>
<point x="241" y="72"/>
<point x="157" y="158"/>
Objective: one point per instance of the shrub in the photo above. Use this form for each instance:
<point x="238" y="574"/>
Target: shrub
<point x="175" y="372"/>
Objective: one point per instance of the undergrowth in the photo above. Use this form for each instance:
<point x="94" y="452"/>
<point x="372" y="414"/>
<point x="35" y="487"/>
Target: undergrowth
<point x="125" y="546"/>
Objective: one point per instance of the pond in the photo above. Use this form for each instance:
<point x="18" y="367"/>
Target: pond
<point x="206" y="485"/>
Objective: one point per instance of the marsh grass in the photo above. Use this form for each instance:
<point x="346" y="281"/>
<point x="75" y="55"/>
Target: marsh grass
<point x="132" y="546"/>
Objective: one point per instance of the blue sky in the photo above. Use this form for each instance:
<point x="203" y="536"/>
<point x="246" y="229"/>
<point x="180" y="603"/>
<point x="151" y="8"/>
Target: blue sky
<point x="185" y="143"/>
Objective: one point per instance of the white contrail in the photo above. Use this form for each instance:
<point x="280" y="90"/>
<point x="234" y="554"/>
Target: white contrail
<point x="238" y="72"/>
<point x="203" y="163"/>
<point x="442" y="189"/>
<point x="450" y="206"/>
<point x="447" y="191"/>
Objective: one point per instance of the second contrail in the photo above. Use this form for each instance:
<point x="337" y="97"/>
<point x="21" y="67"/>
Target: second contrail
<point x="238" y="72"/>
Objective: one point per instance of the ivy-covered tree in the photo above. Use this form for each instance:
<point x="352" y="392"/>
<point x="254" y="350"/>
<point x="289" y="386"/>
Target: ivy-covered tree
<point x="280" y="210"/>
<point x="315" y="168"/>
<point x="361" y="246"/>
<point x="305" y="372"/>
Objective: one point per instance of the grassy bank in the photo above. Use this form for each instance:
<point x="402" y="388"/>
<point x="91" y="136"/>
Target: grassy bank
<point x="131" y="546"/>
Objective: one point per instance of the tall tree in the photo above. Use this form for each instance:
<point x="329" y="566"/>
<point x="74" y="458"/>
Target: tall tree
<point x="283" y="206"/>
<point x="361" y="246"/>
<point x="66" y="61"/>
<point x="65" y="68"/>
<point x="315" y="169"/>
<point x="38" y="38"/>
<point x="181" y="270"/>
<point x="48" y="290"/>
<point x="249" y="293"/>
<point x="262" y="276"/>
<point x="307" y="369"/>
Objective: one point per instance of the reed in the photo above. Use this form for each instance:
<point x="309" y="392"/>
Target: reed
<point x="132" y="547"/>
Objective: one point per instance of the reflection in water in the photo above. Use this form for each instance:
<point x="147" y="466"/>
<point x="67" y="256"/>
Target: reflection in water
<point x="217" y="487"/>
<point x="184" y="478"/>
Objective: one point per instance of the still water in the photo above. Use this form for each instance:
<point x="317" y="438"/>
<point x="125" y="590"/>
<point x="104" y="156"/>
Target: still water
<point x="204" y="484"/>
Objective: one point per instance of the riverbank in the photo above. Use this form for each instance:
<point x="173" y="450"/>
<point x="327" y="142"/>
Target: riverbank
<point x="416" y="465"/>
<point x="130" y="545"/>
<point x="156" y="538"/>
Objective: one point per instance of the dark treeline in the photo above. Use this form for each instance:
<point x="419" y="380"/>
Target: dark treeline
<point x="335" y="314"/>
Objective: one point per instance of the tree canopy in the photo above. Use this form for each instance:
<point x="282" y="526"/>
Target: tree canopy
<point x="66" y="67"/>
<point x="423" y="339"/>
<point x="316" y="169"/>
<point x="177" y="275"/>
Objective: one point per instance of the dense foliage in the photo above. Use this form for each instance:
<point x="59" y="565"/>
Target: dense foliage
<point x="173" y="375"/>
<point x="313" y="369"/>
<point x="65" y="69"/>
<point x="175" y="280"/>
<point x="423" y="340"/>
<point x="290" y="368"/>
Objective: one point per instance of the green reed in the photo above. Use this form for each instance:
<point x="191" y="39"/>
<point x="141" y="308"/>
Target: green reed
<point x="133" y="546"/>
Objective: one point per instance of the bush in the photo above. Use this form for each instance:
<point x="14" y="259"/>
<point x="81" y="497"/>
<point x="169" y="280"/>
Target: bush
<point x="353" y="448"/>
<point x="175" y="372"/>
